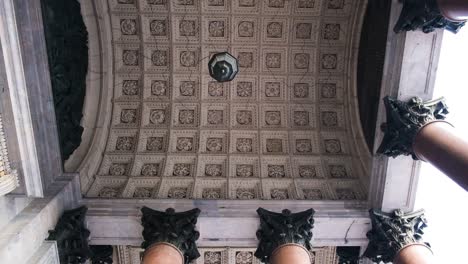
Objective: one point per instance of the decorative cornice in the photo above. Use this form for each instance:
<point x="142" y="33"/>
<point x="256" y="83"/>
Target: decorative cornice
<point x="391" y="232"/>
<point x="424" y="15"/>
<point x="177" y="229"/>
<point x="277" y="229"/>
<point x="404" y="120"/>
<point x="72" y="236"/>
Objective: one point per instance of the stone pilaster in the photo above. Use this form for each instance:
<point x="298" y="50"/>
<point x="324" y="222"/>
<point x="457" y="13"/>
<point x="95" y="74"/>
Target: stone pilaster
<point x="282" y="229"/>
<point x="404" y="120"/>
<point x="169" y="227"/>
<point x="426" y="16"/>
<point x="72" y="236"/>
<point x="392" y="232"/>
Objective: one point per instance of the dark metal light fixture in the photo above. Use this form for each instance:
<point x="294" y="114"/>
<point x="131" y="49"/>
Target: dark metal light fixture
<point x="223" y="67"/>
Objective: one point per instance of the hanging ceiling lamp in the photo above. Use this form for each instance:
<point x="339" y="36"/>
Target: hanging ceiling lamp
<point x="223" y="67"/>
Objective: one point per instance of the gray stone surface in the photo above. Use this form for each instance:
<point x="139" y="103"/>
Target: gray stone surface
<point x="410" y="68"/>
<point x="223" y="223"/>
<point x="26" y="232"/>
<point x="10" y="206"/>
<point x="26" y="66"/>
<point x="46" y="254"/>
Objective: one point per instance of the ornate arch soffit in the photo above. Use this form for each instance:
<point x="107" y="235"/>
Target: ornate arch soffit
<point x="362" y="155"/>
<point x="97" y="108"/>
<point x="109" y="117"/>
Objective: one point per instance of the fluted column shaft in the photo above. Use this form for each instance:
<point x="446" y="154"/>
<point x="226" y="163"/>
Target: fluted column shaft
<point x="438" y="144"/>
<point x="414" y="254"/>
<point x="163" y="253"/>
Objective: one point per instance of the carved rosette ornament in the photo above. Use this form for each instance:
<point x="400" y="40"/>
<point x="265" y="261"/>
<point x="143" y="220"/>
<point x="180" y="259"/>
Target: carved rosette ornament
<point x="425" y="15"/>
<point x="404" y="120"/>
<point x="72" y="237"/>
<point x="169" y="227"/>
<point x="391" y="232"/>
<point x="279" y="229"/>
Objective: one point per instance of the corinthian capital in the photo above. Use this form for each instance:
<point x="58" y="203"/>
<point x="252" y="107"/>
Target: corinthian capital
<point x="278" y="229"/>
<point x="72" y="236"/>
<point x="177" y="229"/>
<point x="391" y="232"/>
<point x="404" y="120"/>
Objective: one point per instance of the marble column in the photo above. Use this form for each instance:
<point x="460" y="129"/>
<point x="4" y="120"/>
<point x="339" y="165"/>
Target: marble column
<point x="397" y="237"/>
<point x="455" y="10"/>
<point x="169" y="237"/>
<point x="290" y="254"/>
<point x="163" y="253"/>
<point x="284" y="238"/>
<point x="414" y="254"/>
<point x="438" y="144"/>
<point x="418" y="129"/>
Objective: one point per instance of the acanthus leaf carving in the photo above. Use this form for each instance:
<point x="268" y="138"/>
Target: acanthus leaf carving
<point x="174" y="228"/>
<point x="101" y="254"/>
<point x="72" y="236"/>
<point x="393" y="231"/>
<point x="404" y="120"/>
<point x="277" y="229"/>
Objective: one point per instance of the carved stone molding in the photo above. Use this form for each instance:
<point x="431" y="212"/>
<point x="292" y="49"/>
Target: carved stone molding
<point x="404" y="120"/>
<point x="277" y="229"/>
<point x="8" y="177"/>
<point x="72" y="236"/>
<point x="391" y="232"/>
<point x="424" y="15"/>
<point x="101" y="254"/>
<point x="177" y="229"/>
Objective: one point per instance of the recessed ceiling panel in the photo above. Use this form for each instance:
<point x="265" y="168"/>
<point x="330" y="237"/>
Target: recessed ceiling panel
<point x="279" y="130"/>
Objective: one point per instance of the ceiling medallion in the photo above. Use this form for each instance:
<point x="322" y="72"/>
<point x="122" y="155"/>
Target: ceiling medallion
<point x="223" y="67"/>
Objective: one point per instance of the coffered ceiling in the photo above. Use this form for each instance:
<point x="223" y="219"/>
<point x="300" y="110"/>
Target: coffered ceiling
<point x="282" y="129"/>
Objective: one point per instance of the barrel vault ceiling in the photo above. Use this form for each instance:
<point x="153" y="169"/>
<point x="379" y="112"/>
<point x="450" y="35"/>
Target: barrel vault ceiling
<point x="282" y="129"/>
